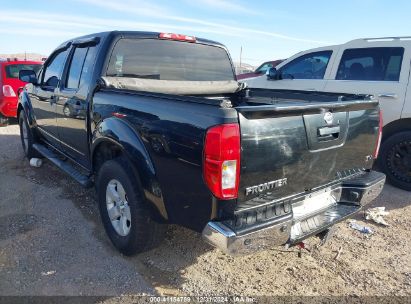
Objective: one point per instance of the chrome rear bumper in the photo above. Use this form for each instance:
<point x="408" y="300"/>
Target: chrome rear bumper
<point x="222" y="237"/>
<point x="350" y="196"/>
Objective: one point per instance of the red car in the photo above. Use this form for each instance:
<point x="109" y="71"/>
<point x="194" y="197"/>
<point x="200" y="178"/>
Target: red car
<point x="260" y="70"/>
<point x="10" y="85"/>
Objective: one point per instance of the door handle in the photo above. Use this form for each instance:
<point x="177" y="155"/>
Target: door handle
<point x="328" y="131"/>
<point x="53" y="99"/>
<point x="388" y="95"/>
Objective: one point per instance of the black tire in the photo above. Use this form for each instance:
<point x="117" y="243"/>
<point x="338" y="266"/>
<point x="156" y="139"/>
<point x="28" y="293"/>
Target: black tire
<point x="4" y="121"/>
<point x="395" y="160"/>
<point x="27" y="145"/>
<point x="144" y="233"/>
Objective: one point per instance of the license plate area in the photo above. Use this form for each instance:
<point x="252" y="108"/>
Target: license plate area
<point x="313" y="204"/>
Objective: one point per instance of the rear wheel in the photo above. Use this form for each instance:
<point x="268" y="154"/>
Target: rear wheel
<point x="66" y="111"/>
<point x="395" y="159"/>
<point x="27" y="137"/>
<point x="124" y="213"/>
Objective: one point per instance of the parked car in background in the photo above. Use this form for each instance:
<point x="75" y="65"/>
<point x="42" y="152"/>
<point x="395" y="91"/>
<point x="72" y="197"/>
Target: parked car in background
<point x="261" y="70"/>
<point x="244" y="70"/>
<point x="376" y="66"/>
<point x="167" y="134"/>
<point x="11" y="85"/>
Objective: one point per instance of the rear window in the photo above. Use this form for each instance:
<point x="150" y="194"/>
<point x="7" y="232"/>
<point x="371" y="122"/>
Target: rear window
<point x="12" y="70"/>
<point x="371" y="64"/>
<point x="169" y="60"/>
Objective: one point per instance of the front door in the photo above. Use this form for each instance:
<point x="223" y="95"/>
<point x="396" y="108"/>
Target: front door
<point x="44" y="97"/>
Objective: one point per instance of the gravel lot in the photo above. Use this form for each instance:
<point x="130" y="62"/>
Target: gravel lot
<point x="52" y="243"/>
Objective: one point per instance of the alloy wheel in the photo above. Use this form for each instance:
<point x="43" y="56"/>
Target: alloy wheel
<point x="118" y="208"/>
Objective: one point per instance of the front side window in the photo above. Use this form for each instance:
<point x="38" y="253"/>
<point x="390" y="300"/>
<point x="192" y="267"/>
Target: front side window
<point x="157" y="59"/>
<point x="371" y="64"/>
<point x="309" y="66"/>
<point x="53" y="70"/>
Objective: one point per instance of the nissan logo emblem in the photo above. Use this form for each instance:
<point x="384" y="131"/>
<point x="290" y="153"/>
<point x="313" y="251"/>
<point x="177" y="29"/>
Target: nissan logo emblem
<point x="328" y="118"/>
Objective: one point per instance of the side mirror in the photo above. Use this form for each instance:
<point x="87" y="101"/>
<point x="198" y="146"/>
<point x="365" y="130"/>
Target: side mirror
<point x="273" y="74"/>
<point x="28" y="76"/>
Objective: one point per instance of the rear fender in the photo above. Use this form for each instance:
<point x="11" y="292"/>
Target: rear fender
<point x="115" y="131"/>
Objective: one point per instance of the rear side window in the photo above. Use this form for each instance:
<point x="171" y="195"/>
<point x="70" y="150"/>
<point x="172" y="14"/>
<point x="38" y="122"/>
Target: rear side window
<point x="12" y="70"/>
<point x="371" y="64"/>
<point x="169" y="60"/>
<point x="88" y="65"/>
<point x="81" y="67"/>
<point x="308" y="66"/>
<point x="76" y="67"/>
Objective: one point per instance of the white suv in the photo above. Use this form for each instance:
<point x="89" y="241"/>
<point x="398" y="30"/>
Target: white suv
<point x="377" y="66"/>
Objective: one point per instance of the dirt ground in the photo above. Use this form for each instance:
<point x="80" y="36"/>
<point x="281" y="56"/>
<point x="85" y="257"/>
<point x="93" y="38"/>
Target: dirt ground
<point x="52" y="243"/>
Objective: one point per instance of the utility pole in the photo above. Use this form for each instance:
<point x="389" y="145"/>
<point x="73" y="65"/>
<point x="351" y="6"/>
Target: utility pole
<point x="241" y="54"/>
<point x="25" y="55"/>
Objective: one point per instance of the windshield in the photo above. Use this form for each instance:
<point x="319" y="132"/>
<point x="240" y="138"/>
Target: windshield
<point x="264" y="67"/>
<point x="169" y="60"/>
<point x="12" y="70"/>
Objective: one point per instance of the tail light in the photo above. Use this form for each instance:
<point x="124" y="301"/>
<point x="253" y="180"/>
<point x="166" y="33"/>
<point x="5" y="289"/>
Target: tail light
<point x="8" y="91"/>
<point x="221" y="168"/>
<point x="377" y="146"/>
<point x="178" y="37"/>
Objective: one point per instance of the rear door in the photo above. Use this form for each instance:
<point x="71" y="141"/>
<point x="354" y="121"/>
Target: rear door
<point x="381" y="70"/>
<point x="72" y="103"/>
<point x="293" y="147"/>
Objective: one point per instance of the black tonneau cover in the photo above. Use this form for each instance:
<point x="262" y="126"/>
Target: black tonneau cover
<point x="174" y="87"/>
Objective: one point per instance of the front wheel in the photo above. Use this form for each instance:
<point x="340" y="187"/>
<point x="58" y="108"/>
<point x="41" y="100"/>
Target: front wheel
<point x="124" y="213"/>
<point x="395" y="159"/>
<point x="27" y="137"/>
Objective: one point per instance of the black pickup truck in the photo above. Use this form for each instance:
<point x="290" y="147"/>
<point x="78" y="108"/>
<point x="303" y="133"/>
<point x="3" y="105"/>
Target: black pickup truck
<point x="159" y="124"/>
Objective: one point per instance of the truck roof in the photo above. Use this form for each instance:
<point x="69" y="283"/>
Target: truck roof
<point x="360" y="43"/>
<point x="134" y="34"/>
<point x="381" y="39"/>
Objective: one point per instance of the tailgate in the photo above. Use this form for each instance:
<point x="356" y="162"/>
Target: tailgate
<point x="293" y="147"/>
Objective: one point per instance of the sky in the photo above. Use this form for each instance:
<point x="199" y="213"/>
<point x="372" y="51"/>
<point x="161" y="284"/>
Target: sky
<point x="264" y="29"/>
